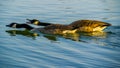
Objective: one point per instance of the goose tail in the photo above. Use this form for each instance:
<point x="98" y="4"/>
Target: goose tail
<point x="107" y="24"/>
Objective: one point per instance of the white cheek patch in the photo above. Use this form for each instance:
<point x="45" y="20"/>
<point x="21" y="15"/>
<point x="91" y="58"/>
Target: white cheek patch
<point x="14" y="26"/>
<point x="36" y="22"/>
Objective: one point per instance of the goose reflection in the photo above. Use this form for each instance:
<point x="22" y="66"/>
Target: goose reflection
<point x="33" y="35"/>
<point x="98" y="34"/>
<point x="73" y="36"/>
<point x="26" y="33"/>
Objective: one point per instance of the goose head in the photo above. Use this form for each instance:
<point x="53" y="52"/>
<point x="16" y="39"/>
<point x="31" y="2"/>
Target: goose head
<point x="37" y="22"/>
<point x="13" y="25"/>
<point x="16" y="25"/>
<point x="33" y="21"/>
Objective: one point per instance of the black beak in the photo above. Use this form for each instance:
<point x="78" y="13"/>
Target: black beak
<point x="7" y="25"/>
<point x="29" y="21"/>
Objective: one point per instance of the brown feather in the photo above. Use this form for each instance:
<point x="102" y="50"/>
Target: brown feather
<point x="88" y="25"/>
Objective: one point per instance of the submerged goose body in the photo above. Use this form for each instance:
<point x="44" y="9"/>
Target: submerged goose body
<point x="50" y="29"/>
<point x="80" y="25"/>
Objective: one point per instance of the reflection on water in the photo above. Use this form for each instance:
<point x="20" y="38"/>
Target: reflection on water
<point x="98" y="34"/>
<point x="23" y="33"/>
<point x="51" y="37"/>
<point x="73" y="36"/>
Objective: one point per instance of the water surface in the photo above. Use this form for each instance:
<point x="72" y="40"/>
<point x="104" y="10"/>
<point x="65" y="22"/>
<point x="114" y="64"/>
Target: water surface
<point x="23" y="49"/>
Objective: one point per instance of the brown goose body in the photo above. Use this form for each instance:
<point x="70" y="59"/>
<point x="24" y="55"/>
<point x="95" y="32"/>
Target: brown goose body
<point x="89" y="25"/>
<point x="57" y="29"/>
<point x="80" y="25"/>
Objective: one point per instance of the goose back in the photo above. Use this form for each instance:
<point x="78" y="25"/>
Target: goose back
<point x="59" y="26"/>
<point x="89" y="25"/>
<point x="57" y="29"/>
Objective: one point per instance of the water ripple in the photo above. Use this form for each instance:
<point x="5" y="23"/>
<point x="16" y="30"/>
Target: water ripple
<point x="23" y="49"/>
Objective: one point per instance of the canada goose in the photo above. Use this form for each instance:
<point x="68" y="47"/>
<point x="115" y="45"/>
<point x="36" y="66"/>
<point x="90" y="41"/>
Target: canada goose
<point x="50" y="29"/>
<point x="80" y="25"/>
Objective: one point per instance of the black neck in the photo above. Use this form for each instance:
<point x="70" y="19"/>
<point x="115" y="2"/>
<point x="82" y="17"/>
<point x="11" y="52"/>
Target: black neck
<point x="39" y="22"/>
<point x="44" y="24"/>
<point x="24" y="26"/>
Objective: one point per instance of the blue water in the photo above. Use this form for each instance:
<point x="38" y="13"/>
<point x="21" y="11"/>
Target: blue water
<point x="22" y="49"/>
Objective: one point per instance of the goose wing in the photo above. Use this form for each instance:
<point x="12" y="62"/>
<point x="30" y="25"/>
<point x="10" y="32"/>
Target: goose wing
<point x="56" y="29"/>
<point x="58" y="26"/>
<point x="88" y="23"/>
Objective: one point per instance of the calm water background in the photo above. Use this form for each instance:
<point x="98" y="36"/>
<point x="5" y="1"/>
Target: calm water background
<point x="21" y="49"/>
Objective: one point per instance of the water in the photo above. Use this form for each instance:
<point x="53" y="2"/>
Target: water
<point x="24" y="49"/>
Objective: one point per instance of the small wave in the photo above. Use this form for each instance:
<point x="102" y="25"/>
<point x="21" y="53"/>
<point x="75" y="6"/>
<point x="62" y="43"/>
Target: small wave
<point x="116" y="27"/>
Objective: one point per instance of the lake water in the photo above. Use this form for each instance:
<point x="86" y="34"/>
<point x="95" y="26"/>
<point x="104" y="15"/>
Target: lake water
<point x="24" y="49"/>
